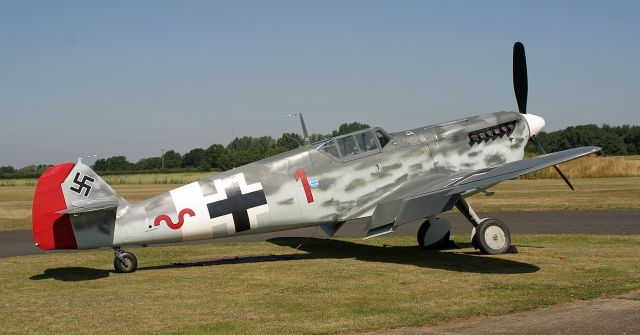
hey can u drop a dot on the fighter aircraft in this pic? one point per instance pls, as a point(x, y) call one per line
point(389, 178)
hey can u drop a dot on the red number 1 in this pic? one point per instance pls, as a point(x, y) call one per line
point(305, 184)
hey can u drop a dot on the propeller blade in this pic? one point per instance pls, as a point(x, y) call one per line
point(542, 151)
point(566, 180)
point(520, 81)
point(538, 145)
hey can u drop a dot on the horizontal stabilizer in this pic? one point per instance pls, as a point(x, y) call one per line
point(94, 205)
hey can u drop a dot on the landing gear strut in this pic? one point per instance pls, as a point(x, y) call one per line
point(124, 261)
point(491, 236)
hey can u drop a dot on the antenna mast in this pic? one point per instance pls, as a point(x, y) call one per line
point(305, 134)
point(304, 129)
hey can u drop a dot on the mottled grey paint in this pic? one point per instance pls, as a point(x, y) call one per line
point(380, 174)
point(326, 183)
point(358, 182)
point(286, 202)
point(388, 168)
point(413, 161)
point(495, 159)
point(517, 143)
point(415, 167)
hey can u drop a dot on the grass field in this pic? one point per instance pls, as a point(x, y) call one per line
point(128, 179)
point(593, 167)
point(344, 285)
point(512, 195)
point(586, 167)
point(554, 194)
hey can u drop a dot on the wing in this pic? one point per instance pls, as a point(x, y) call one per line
point(424, 197)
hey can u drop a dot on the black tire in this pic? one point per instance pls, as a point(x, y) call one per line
point(493, 237)
point(424, 227)
point(474, 241)
point(129, 265)
point(421, 232)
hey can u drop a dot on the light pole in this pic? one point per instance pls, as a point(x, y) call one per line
point(162, 159)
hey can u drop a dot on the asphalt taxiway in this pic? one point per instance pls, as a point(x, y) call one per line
point(19, 243)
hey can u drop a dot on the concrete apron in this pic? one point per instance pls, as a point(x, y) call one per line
point(619, 315)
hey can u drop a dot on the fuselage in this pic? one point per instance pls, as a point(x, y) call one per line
point(328, 182)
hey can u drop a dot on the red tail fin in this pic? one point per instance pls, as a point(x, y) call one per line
point(50, 229)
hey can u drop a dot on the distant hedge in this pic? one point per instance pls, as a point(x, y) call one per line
point(614, 140)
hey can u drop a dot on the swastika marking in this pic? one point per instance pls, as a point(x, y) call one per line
point(82, 187)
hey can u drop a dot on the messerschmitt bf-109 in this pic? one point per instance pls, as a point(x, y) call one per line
point(389, 178)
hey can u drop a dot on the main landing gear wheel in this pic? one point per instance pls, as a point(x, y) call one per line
point(125, 262)
point(492, 237)
point(434, 233)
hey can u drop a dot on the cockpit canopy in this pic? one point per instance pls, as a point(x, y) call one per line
point(355, 145)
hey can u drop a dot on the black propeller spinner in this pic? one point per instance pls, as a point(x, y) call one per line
point(521, 88)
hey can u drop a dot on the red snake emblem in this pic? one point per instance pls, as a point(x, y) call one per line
point(170, 224)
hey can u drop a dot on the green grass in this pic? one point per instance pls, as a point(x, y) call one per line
point(587, 167)
point(154, 179)
point(512, 195)
point(593, 167)
point(344, 285)
point(129, 179)
point(593, 194)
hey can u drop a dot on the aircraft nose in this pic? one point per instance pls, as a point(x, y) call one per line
point(536, 123)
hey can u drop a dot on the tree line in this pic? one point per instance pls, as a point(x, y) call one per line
point(614, 140)
point(241, 151)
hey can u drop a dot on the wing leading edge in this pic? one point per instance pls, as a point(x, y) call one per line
point(418, 199)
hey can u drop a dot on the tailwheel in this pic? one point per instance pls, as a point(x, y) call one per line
point(492, 237)
point(124, 261)
point(434, 233)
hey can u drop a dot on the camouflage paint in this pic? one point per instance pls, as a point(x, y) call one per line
point(346, 188)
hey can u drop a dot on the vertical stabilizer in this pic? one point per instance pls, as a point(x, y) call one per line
point(73, 208)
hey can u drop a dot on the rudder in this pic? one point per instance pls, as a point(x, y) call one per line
point(52, 230)
point(73, 208)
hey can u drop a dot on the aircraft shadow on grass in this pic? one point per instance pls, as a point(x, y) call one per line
point(408, 255)
point(317, 248)
point(76, 273)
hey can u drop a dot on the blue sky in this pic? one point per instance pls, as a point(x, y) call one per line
point(135, 77)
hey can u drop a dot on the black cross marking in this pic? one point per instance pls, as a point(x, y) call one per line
point(237, 205)
point(82, 184)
